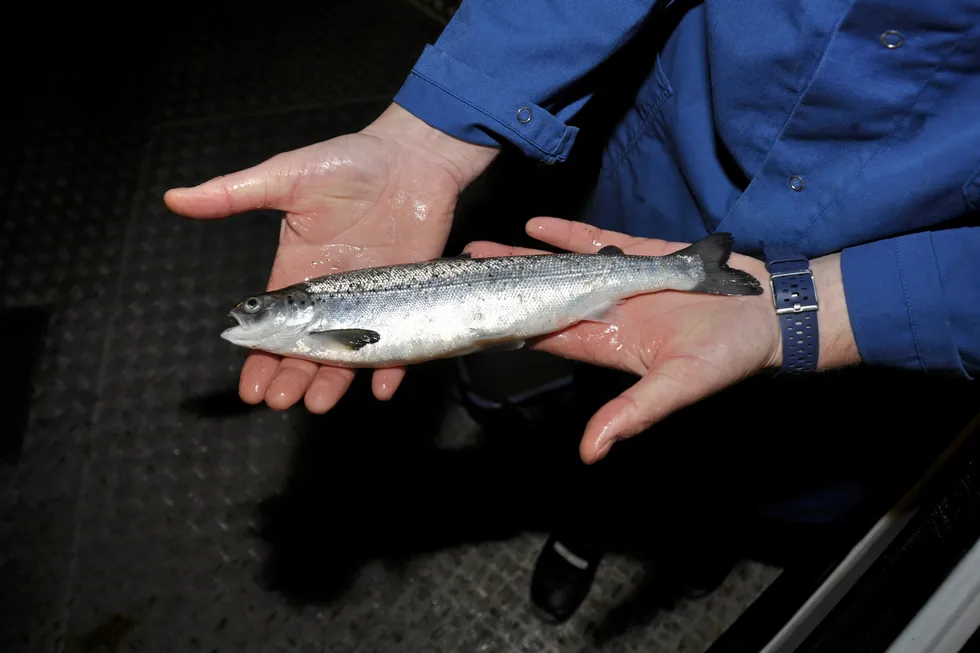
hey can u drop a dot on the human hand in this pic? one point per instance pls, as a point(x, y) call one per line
point(382, 196)
point(683, 346)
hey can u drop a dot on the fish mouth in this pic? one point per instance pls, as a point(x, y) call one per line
point(236, 334)
point(238, 318)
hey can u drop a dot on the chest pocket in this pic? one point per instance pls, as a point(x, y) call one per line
point(641, 121)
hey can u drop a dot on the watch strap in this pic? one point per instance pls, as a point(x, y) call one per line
point(795, 301)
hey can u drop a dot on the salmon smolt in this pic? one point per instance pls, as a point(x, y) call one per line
point(447, 307)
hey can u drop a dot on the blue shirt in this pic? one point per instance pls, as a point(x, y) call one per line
point(853, 126)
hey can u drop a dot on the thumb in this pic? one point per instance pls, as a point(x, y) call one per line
point(675, 384)
point(260, 187)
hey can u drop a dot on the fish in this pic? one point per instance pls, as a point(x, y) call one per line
point(453, 306)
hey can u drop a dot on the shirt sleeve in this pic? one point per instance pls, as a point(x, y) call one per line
point(515, 71)
point(914, 301)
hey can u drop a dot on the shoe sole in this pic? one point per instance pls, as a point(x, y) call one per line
point(546, 616)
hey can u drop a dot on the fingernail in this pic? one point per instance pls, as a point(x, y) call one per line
point(604, 451)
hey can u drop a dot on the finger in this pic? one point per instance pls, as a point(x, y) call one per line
point(385, 382)
point(260, 187)
point(586, 239)
point(677, 383)
point(257, 373)
point(328, 386)
point(484, 249)
point(293, 379)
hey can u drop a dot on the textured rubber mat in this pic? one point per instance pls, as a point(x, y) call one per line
point(65, 210)
point(143, 506)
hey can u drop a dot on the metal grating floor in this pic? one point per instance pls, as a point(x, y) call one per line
point(133, 501)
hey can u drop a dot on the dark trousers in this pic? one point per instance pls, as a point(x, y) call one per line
point(807, 453)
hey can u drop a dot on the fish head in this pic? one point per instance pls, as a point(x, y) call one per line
point(272, 321)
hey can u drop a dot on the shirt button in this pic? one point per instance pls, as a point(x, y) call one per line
point(523, 115)
point(796, 183)
point(892, 39)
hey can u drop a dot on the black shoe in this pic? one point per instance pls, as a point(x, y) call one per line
point(704, 575)
point(562, 579)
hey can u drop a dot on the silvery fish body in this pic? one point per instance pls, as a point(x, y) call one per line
point(404, 314)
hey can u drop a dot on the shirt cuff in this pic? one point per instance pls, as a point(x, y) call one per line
point(897, 307)
point(474, 107)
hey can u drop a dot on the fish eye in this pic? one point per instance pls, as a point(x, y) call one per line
point(252, 304)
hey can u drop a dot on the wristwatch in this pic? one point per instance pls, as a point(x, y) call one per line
point(794, 297)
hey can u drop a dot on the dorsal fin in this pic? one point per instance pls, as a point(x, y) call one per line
point(463, 255)
point(611, 250)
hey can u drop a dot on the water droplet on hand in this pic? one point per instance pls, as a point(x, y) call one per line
point(421, 210)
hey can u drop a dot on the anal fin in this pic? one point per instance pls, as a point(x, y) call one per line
point(499, 344)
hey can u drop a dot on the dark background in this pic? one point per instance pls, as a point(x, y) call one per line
point(143, 506)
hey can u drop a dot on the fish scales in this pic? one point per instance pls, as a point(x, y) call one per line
point(449, 271)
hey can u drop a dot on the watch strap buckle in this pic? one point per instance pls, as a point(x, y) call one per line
point(798, 297)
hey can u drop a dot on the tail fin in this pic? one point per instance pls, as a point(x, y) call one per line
point(720, 279)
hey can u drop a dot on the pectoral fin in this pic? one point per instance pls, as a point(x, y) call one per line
point(352, 339)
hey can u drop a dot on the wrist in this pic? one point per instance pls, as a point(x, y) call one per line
point(838, 348)
point(464, 161)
